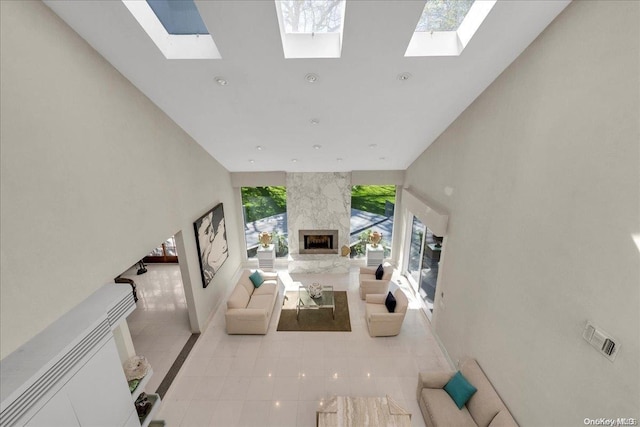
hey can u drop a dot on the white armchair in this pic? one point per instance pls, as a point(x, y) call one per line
point(380, 322)
point(370, 285)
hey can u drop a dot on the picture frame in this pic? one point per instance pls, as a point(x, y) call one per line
point(211, 241)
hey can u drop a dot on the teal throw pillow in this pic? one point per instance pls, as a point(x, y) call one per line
point(256, 278)
point(459, 389)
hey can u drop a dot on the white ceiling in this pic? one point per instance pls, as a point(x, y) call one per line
point(358, 100)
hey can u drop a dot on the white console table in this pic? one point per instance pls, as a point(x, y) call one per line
point(375, 256)
point(266, 257)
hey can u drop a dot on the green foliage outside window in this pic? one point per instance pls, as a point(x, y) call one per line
point(281, 244)
point(372, 198)
point(377, 199)
point(262, 202)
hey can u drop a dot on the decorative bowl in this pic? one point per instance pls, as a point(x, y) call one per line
point(315, 290)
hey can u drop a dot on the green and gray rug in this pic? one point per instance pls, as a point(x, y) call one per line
point(315, 320)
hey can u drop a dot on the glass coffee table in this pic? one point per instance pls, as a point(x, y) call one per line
point(305, 302)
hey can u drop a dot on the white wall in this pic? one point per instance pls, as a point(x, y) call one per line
point(545, 172)
point(93, 176)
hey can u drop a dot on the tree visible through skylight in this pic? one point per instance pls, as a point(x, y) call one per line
point(312, 16)
point(443, 15)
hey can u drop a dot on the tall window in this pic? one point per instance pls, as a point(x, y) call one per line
point(265, 209)
point(372, 208)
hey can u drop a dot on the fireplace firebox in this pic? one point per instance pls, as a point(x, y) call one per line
point(318, 241)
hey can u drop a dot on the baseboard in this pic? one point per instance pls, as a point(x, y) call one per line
point(444, 351)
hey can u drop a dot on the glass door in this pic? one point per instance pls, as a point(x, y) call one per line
point(415, 252)
point(422, 263)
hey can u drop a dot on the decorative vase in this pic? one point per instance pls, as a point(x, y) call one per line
point(136, 367)
point(375, 238)
point(315, 290)
point(265, 239)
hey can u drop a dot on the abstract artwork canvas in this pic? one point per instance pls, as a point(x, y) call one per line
point(211, 239)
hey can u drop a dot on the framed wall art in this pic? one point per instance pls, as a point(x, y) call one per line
point(211, 239)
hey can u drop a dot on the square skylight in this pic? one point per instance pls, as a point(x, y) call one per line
point(178, 17)
point(443, 15)
point(311, 28)
point(446, 26)
point(176, 27)
point(312, 16)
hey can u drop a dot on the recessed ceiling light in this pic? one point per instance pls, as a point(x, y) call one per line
point(221, 81)
point(339, 159)
point(252, 161)
point(294, 160)
point(373, 145)
point(311, 78)
point(404, 76)
point(317, 147)
point(259, 147)
point(314, 121)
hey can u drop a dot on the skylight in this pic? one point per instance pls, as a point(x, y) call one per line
point(178, 17)
point(176, 27)
point(446, 26)
point(312, 16)
point(443, 15)
point(311, 28)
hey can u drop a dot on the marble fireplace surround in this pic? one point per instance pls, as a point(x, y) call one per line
point(318, 201)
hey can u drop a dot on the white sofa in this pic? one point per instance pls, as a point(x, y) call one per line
point(249, 308)
point(484, 409)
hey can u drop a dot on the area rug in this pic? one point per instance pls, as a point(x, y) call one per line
point(315, 320)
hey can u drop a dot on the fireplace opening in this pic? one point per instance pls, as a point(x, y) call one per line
point(318, 241)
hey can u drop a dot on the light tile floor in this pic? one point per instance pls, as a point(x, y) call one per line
point(282, 378)
point(159, 325)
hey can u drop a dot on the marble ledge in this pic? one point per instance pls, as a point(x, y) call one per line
point(318, 263)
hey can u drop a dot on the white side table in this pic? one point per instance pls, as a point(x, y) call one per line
point(375, 256)
point(266, 257)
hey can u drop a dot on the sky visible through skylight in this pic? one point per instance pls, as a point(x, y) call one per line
point(312, 16)
point(443, 15)
point(179, 17)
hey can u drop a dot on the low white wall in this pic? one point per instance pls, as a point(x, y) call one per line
point(93, 177)
point(540, 177)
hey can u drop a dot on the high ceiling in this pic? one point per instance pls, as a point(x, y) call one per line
point(368, 119)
